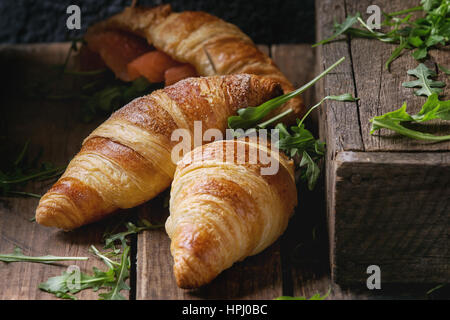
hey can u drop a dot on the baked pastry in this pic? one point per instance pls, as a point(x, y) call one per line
point(127, 160)
point(202, 41)
point(223, 209)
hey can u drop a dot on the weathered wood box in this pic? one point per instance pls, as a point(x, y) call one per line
point(388, 196)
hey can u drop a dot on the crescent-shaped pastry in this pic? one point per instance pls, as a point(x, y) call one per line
point(209, 44)
point(223, 209)
point(127, 159)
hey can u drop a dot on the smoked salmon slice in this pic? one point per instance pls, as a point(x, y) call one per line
point(178, 73)
point(151, 65)
point(117, 49)
point(130, 57)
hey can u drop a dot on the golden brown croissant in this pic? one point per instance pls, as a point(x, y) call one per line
point(223, 209)
point(211, 45)
point(127, 160)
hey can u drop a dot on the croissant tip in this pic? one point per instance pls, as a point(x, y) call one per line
point(186, 277)
point(183, 283)
point(48, 217)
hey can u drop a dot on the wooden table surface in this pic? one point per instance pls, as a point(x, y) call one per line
point(297, 264)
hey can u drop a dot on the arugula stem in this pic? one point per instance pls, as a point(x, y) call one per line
point(121, 276)
point(251, 116)
point(408, 132)
point(95, 279)
point(110, 263)
point(396, 52)
point(311, 109)
point(33, 176)
point(45, 259)
point(365, 25)
point(274, 119)
point(22, 154)
point(398, 13)
point(343, 97)
point(26, 194)
point(310, 83)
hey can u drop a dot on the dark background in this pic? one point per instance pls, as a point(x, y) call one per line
point(265, 21)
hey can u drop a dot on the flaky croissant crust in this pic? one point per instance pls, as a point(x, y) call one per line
point(127, 160)
point(211, 45)
point(223, 210)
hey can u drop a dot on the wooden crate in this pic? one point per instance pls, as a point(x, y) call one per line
point(388, 197)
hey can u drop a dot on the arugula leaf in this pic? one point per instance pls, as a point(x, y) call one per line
point(299, 143)
point(110, 239)
point(444, 69)
point(99, 91)
point(434, 40)
point(427, 85)
point(396, 53)
point(317, 296)
point(340, 29)
point(312, 170)
point(103, 256)
point(343, 97)
point(436, 288)
point(432, 109)
point(420, 34)
point(396, 115)
point(17, 173)
point(420, 53)
point(66, 284)
point(106, 96)
point(113, 279)
point(251, 116)
point(429, 4)
point(397, 127)
point(18, 256)
point(121, 274)
point(302, 143)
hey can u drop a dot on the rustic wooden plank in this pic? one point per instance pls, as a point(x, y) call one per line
point(335, 127)
point(404, 232)
point(381, 91)
point(372, 230)
point(340, 121)
point(55, 127)
point(297, 62)
point(257, 277)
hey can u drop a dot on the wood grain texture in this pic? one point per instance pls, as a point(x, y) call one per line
point(54, 127)
point(405, 232)
point(397, 215)
point(339, 121)
point(347, 125)
point(381, 91)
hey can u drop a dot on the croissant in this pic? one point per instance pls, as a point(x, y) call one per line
point(223, 209)
point(211, 45)
point(127, 159)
